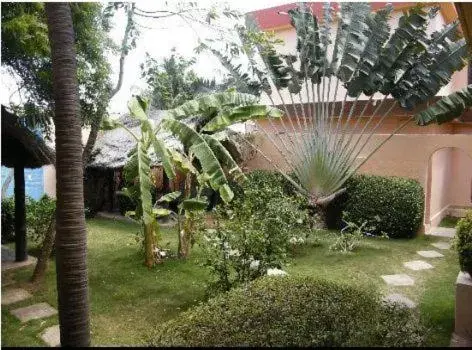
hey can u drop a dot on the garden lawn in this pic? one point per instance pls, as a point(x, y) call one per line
point(128, 301)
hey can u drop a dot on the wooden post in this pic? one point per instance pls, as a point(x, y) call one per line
point(20, 214)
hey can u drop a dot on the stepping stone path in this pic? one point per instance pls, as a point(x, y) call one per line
point(417, 265)
point(429, 254)
point(399, 299)
point(441, 245)
point(51, 336)
point(443, 232)
point(11, 296)
point(33, 312)
point(399, 280)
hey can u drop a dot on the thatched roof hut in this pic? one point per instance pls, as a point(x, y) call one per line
point(112, 148)
point(22, 148)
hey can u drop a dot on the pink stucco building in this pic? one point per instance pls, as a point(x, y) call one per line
point(438, 156)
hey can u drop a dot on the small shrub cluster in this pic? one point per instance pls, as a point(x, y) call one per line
point(390, 205)
point(8, 220)
point(293, 311)
point(38, 217)
point(255, 232)
point(463, 242)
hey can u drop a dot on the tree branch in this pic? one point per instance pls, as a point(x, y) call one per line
point(95, 127)
point(124, 51)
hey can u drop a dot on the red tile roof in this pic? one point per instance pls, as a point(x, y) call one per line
point(270, 18)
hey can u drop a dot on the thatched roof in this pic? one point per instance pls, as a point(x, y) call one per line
point(21, 146)
point(112, 147)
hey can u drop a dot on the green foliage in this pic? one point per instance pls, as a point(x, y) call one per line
point(349, 238)
point(25, 52)
point(392, 205)
point(447, 108)
point(38, 217)
point(8, 220)
point(39, 214)
point(255, 231)
point(290, 311)
point(173, 82)
point(463, 242)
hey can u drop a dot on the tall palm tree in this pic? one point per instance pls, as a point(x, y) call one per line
point(71, 236)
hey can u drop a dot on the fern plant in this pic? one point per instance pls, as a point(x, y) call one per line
point(373, 67)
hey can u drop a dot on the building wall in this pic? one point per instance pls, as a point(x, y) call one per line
point(441, 175)
point(407, 155)
point(289, 38)
point(33, 182)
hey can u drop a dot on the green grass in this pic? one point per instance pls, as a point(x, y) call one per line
point(449, 221)
point(129, 301)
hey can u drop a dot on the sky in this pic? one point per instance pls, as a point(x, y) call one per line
point(158, 39)
point(168, 33)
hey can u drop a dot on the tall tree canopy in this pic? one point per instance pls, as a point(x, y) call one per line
point(26, 54)
point(173, 81)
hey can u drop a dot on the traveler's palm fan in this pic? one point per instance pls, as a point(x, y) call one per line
point(337, 89)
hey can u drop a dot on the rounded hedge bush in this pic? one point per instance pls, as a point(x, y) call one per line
point(393, 205)
point(293, 311)
point(464, 242)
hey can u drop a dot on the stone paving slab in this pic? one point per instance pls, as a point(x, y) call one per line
point(12, 265)
point(33, 312)
point(399, 299)
point(417, 265)
point(441, 245)
point(398, 280)
point(51, 336)
point(429, 254)
point(11, 296)
point(443, 232)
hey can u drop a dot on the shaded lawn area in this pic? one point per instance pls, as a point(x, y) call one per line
point(449, 221)
point(128, 301)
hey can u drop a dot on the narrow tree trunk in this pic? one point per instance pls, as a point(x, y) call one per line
point(71, 235)
point(149, 246)
point(186, 231)
point(6, 183)
point(20, 214)
point(46, 249)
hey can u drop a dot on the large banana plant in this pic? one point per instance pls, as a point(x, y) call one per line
point(138, 172)
point(338, 90)
point(199, 125)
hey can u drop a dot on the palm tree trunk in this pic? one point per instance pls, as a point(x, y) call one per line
point(71, 235)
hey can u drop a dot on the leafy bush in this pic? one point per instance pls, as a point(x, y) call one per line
point(38, 217)
point(392, 205)
point(255, 231)
point(8, 220)
point(463, 242)
point(291, 311)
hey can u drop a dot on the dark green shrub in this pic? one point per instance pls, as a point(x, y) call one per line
point(464, 242)
point(125, 203)
point(289, 311)
point(8, 220)
point(393, 205)
point(38, 217)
